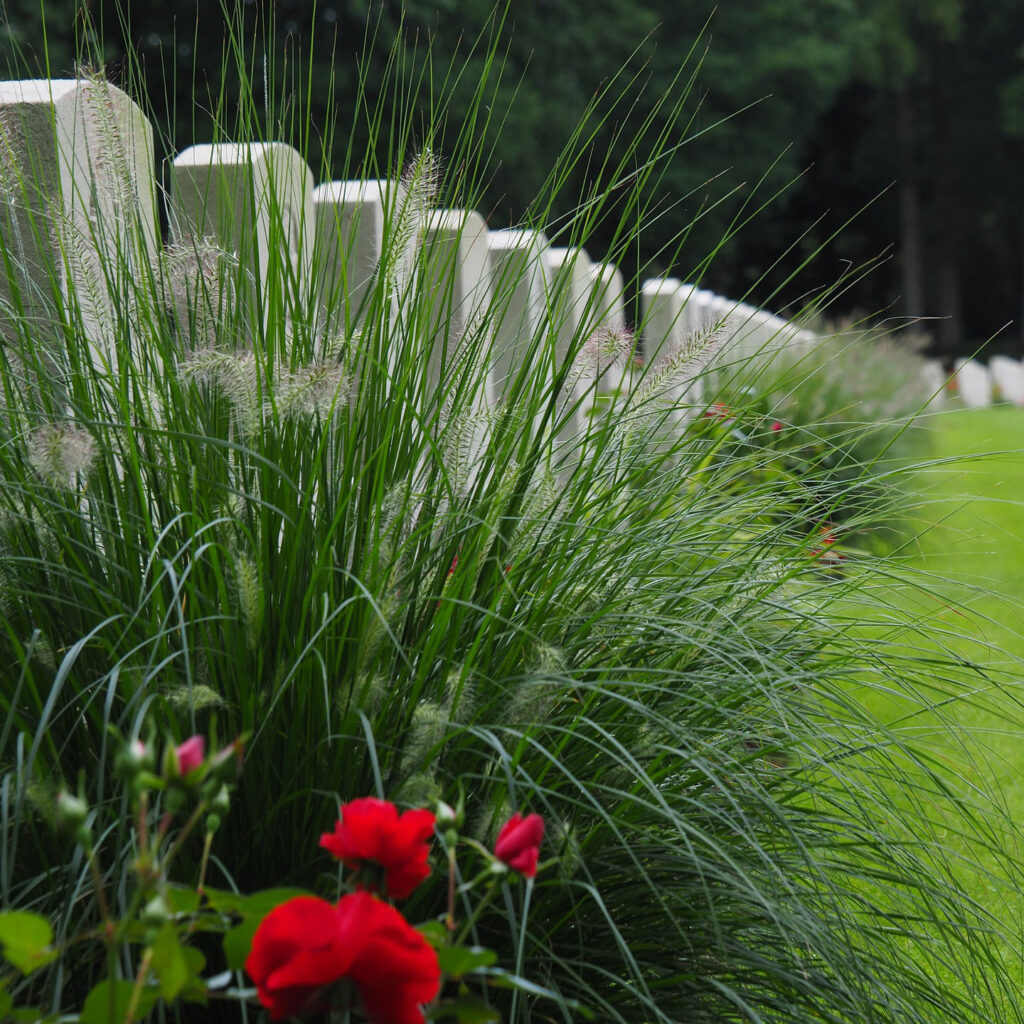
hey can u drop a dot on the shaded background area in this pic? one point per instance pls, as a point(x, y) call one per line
point(900, 122)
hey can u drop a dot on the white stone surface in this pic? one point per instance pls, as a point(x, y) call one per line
point(934, 377)
point(452, 268)
point(77, 180)
point(244, 196)
point(1008, 378)
point(520, 282)
point(456, 273)
point(609, 295)
point(572, 313)
point(349, 240)
point(974, 383)
point(666, 341)
point(611, 347)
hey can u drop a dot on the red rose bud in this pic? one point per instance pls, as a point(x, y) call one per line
point(373, 839)
point(226, 764)
point(191, 754)
point(776, 425)
point(518, 843)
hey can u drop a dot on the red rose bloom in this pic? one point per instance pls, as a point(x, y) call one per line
point(395, 970)
point(299, 951)
point(519, 841)
point(371, 834)
point(304, 948)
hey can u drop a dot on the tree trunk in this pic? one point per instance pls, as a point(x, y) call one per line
point(911, 249)
point(951, 326)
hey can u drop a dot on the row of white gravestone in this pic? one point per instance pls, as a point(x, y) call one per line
point(979, 385)
point(77, 178)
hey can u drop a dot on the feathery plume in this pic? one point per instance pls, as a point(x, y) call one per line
point(319, 389)
point(61, 454)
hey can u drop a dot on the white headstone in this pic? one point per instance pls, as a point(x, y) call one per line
point(349, 217)
point(253, 199)
point(77, 200)
point(934, 377)
point(609, 290)
point(520, 282)
point(610, 349)
point(456, 274)
point(451, 267)
point(1008, 378)
point(974, 383)
point(571, 311)
point(666, 340)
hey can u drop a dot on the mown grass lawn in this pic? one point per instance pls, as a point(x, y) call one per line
point(967, 564)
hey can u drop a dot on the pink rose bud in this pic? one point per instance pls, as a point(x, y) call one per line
point(191, 754)
point(519, 841)
point(776, 425)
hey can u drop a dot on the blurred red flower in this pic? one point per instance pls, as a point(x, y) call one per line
point(519, 841)
point(388, 850)
point(191, 754)
point(303, 948)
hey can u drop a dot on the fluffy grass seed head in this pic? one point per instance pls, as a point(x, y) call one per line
point(419, 187)
point(235, 375)
point(61, 454)
point(319, 389)
point(605, 352)
point(674, 367)
point(427, 730)
point(198, 279)
point(195, 698)
point(250, 596)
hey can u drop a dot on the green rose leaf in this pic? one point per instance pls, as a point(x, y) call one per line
point(238, 942)
point(465, 1009)
point(108, 1003)
point(169, 963)
point(456, 961)
point(30, 1015)
point(6, 1002)
point(26, 940)
point(259, 904)
point(181, 900)
point(223, 901)
point(195, 990)
point(434, 932)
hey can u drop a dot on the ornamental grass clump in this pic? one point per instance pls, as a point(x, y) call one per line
point(313, 517)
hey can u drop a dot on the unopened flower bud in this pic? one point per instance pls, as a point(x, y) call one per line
point(191, 754)
point(155, 912)
point(72, 813)
point(212, 823)
point(133, 757)
point(444, 815)
point(226, 764)
point(221, 802)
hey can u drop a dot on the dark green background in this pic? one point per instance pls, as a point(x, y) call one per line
point(907, 115)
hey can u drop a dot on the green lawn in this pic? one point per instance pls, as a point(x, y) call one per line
point(968, 565)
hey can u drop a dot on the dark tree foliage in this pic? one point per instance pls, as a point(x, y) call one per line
point(904, 116)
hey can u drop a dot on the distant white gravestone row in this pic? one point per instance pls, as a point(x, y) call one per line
point(973, 382)
point(77, 173)
point(1007, 378)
